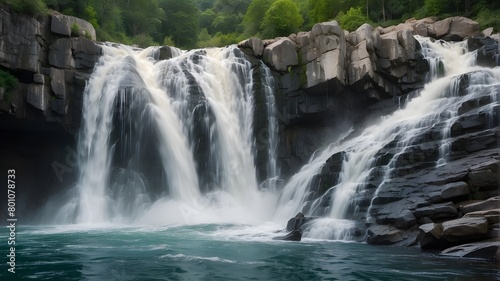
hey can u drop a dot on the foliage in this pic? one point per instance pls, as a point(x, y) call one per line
point(198, 23)
point(282, 19)
point(488, 18)
point(7, 80)
point(144, 40)
point(28, 7)
point(255, 15)
point(181, 22)
point(352, 19)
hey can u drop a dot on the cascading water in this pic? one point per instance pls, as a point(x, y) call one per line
point(436, 104)
point(169, 141)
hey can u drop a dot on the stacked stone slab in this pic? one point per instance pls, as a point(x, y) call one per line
point(52, 57)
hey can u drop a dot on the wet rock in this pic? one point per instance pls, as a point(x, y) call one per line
point(292, 236)
point(482, 250)
point(388, 235)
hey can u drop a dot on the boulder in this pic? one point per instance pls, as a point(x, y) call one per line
point(281, 54)
point(68, 25)
point(430, 234)
point(464, 229)
point(456, 28)
point(168, 52)
point(361, 66)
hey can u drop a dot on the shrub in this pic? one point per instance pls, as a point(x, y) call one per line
point(28, 7)
point(7, 80)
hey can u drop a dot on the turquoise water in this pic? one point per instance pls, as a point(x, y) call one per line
point(218, 252)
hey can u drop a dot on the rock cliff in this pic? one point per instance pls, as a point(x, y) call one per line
point(51, 57)
point(329, 79)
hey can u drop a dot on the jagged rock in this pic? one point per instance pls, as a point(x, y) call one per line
point(429, 235)
point(493, 215)
point(387, 235)
point(329, 66)
point(281, 54)
point(253, 47)
point(361, 67)
point(66, 25)
point(487, 32)
point(482, 250)
point(79, 53)
point(456, 28)
point(491, 203)
point(464, 229)
point(485, 175)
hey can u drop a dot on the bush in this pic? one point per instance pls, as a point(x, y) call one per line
point(7, 80)
point(352, 19)
point(28, 7)
point(488, 18)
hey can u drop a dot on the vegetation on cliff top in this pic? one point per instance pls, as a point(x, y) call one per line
point(202, 23)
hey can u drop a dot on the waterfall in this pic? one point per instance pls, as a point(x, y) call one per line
point(170, 141)
point(389, 141)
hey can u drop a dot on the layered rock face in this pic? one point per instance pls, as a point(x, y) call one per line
point(329, 78)
point(52, 57)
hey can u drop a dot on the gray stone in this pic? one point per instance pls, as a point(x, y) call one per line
point(488, 31)
point(38, 79)
point(63, 25)
point(328, 66)
point(451, 191)
point(491, 203)
point(281, 54)
point(429, 235)
point(437, 211)
point(38, 96)
point(493, 215)
point(384, 235)
point(483, 250)
point(58, 82)
point(464, 229)
point(254, 44)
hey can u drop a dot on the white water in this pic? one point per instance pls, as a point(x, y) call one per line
point(155, 103)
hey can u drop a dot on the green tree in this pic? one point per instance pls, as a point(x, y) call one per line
point(352, 19)
point(254, 16)
point(282, 19)
point(181, 22)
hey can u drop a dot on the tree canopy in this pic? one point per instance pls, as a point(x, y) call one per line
point(202, 23)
